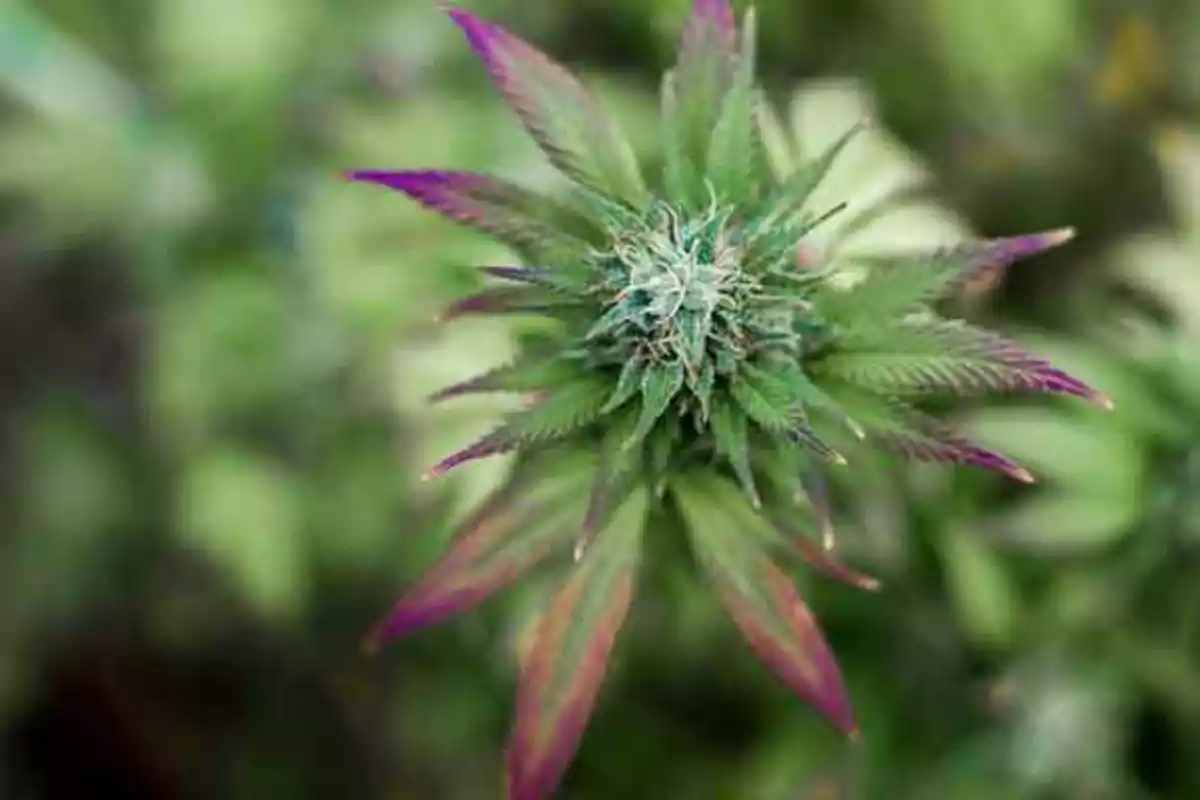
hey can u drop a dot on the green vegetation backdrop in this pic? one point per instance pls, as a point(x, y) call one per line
point(214, 357)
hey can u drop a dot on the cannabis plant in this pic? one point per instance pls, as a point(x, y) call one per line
point(700, 365)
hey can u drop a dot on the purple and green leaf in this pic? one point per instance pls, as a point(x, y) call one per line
point(518, 526)
point(566, 661)
point(760, 598)
point(517, 217)
point(896, 284)
point(578, 137)
point(693, 94)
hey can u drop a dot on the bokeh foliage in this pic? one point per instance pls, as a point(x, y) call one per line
point(214, 357)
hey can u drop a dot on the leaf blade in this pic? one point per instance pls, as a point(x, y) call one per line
point(509, 533)
point(566, 662)
point(577, 136)
point(761, 599)
point(517, 217)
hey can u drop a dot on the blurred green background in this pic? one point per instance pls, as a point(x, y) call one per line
point(213, 358)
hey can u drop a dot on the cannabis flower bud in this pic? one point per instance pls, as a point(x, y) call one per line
point(698, 369)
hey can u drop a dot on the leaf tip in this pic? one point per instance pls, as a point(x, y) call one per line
point(1021, 474)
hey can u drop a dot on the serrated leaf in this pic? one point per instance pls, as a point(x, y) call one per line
point(772, 414)
point(578, 137)
point(527, 373)
point(511, 531)
point(700, 81)
point(629, 382)
point(660, 384)
point(912, 434)
point(558, 413)
point(733, 151)
point(729, 431)
point(794, 191)
point(770, 403)
point(807, 394)
point(777, 145)
point(506, 300)
point(759, 597)
point(947, 356)
point(566, 661)
point(546, 277)
point(614, 477)
point(897, 284)
point(530, 224)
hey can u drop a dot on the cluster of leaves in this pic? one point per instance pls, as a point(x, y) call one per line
point(696, 346)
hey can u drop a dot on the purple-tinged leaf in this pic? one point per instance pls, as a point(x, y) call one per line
point(528, 373)
point(515, 216)
point(501, 300)
point(710, 25)
point(614, 478)
point(945, 356)
point(565, 664)
point(898, 283)
point(761, 599)
point(493, 444)
point(519, 525)
point(825, 562)
point(577, 135)
point(537, 276)
point(912, 434)
point(734, 152)
point(932, 440)
point(694, 92)
point(554, 414)
point(1007, 252)
point(820, 557)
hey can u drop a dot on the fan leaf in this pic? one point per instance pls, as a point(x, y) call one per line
point(578, 137)
point(759, 597)
point(514, 529)
point(564, 666)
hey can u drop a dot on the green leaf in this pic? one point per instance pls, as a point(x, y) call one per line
point(794, 192)
point(564, 666)
point(532, 225)
point(527, 373)
point(918, 436)
point(733, 151)
point(777, 147)
point(944, 356)
point(679, 173)
point(614, 476)
point(628, 384)
point(660, 384)
point(898, 284)
point(805, 393)
point(513, 530)
point(759, 596)
point(770, 403)
point(560, 412)
point(729, 431)
point(577, 136)
point(700, 80)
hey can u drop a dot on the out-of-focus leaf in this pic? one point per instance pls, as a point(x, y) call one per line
point(567, 659)
point(244, 513)
point(1069, 523)
point(980, 587)
point(225, 348)
point(1064, 448)
point(876, 167)
point(510, 533)
point(226, 49)
point(759, 596)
